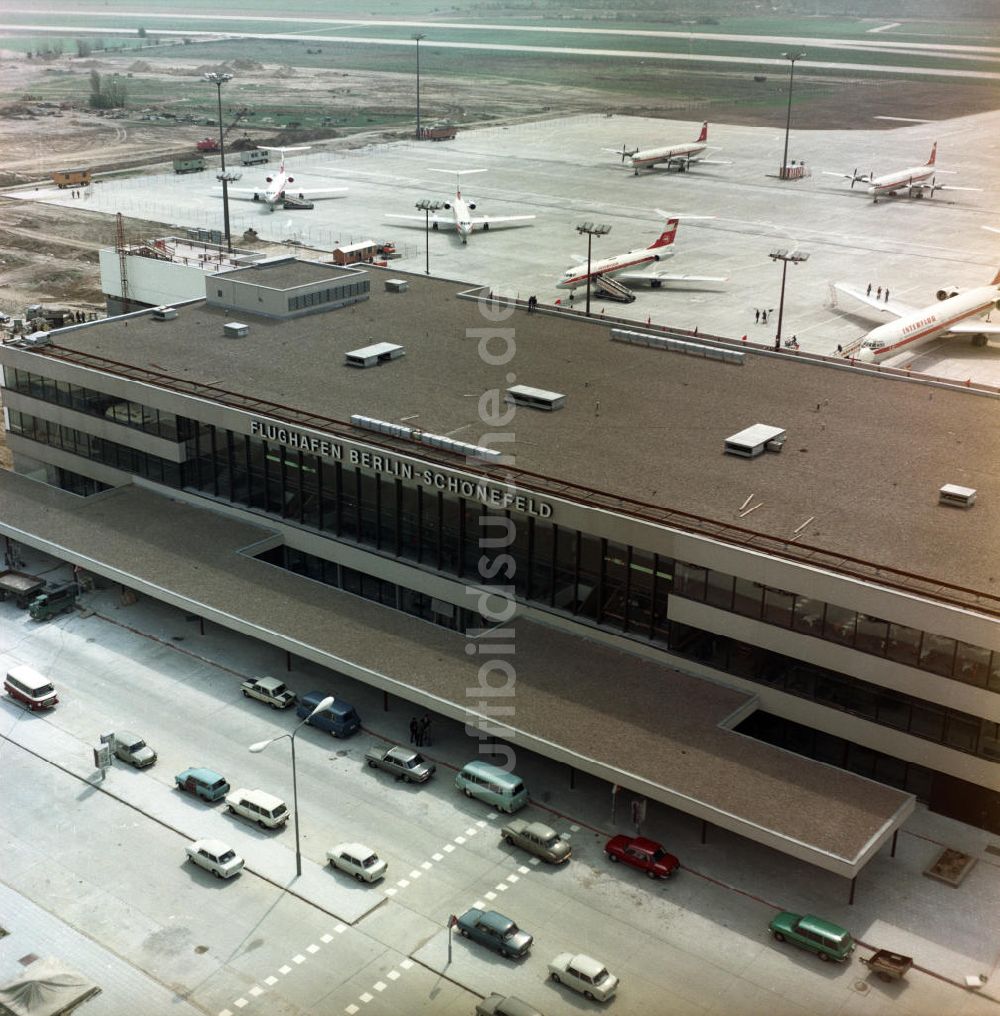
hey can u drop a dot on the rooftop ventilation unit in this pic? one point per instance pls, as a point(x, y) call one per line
point(370, 356)
point(397, 285)
point(755, 441)
point(673, 345)
point(958, 497)
point(164, 313)
point(235, 329)
point(433, 440)
point(535, 398)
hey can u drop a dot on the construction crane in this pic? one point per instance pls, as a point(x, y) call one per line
point(122, 250)
point(242, 113)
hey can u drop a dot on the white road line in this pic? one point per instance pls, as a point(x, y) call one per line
point(426, 865)
point(447, 848)
point(312, 948)
point(340, 929)
point(240, 1003)
point(284, 970)
point(351, 1009)
point(437, 857)
point(256, 991)
point(269, 981)
point(299, 958)
point(406, 964)
point(393, 975)
point(366, 998)
point(380, 985)
point(491, 896)
point(326, 939)
point(390, 891)
point(884, 28)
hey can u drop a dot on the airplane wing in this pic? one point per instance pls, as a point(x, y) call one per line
point(896, 308)
point(659, 277)
point(712, 162)
point(323, 192)
point(975, 328)
point(433, 221)
point(493, 220)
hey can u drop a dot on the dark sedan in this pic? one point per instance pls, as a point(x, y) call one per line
point(495, 931)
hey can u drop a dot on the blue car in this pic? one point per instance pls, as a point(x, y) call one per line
point(495, 931)
point(340, 718)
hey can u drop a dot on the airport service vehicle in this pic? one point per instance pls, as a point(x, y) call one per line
point(404, 764)
point(679, 156)
point(584, 974)
point(27, 686)
point(268, 811)
point(505, 1005)
point(495, 931)
point(215, 856)
point(339, 718)
point(278, 188)
point(912, 182)
point(645, 855)
point(829, 941)
point(958, 312)
point(131, 748)
point(358, 860)
point(204, 783)
point(461, 219)
point(52, 602)
point(207, 145)
point(192, 164)
point(537, 839)
point(623, 267)
point(269, 690)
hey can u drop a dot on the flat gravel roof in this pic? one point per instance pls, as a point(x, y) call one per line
point(864, 457)
point(621, 717)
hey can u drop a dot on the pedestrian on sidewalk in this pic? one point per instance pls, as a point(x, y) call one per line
point(869, 292)
point(756, 317)
point(414, 730)
point(878, 293)
point(425, 729)
point(886, 294)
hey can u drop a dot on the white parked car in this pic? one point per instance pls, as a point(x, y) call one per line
point(583, 974)
point(358, 860)
point(215, 856)
point(266, 810)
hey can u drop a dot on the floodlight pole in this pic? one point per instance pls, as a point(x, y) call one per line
point(427, 206)
point(791, 57)
point(592, 230)
point(784, 256)
point(218, 79)
point(416, 39)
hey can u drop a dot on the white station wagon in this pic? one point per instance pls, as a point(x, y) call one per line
point(215, 856)
point(583, 974)
point(358, 860)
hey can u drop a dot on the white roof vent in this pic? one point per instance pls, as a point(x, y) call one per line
point(370, 356)
point(235, 329)
point(36, 339)
point(535, 398)
point(397, 285)
point(958, 497)
point(755, 441)
point(164, 313)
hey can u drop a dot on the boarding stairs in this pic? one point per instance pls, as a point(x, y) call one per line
point(613, 290)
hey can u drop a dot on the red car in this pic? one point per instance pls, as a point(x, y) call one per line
point(646, 855)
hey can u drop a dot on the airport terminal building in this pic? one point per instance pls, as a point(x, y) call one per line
point(733, 583)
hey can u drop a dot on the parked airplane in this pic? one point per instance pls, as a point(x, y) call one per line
point(621, 265)
point(956, 313)
point(679, 156)
point(913, 180)
point(461, 219)
point(278, 189)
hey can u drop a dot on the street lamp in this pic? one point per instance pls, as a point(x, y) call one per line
point(261, 745)
point(791, 57)
point(795, 257)
point(426, 205)
point(591, 229)
point(416, 38)
point(219, 79)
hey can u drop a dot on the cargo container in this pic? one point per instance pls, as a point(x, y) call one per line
point(192, 164)
point(254, 157)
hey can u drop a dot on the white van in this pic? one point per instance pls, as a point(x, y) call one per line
point(264, 809)
point(28, 686)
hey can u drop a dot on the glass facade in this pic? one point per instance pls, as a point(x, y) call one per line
point(617, 587)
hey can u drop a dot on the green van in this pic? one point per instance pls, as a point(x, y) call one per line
point(829, 941)
point(505, 791)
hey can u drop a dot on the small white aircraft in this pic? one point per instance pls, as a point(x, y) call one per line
point(622, 265)
point(278, 187)
point(913, 180)
point(461, 219)
point(956, 313)
point(679, 156)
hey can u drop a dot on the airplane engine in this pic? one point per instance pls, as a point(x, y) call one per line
point(946, 292)
point(291, 179)
point(656, 257)
point(269, 179)
point(472, 205)
point(447, 205)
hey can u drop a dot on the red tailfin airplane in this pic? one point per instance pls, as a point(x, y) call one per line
point(914, 180)
point(279, 187)
point(680, 156)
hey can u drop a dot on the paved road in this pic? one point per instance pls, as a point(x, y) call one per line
point(108, 860)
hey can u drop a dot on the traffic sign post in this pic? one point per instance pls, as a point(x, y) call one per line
point(102, 758)
point(638, 814)
point(452, 921)
point(614, 801)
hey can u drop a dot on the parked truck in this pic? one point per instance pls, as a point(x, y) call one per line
point(52, 602)
point(20, 587)
point(191, 164)
point(439, 132)
point(64, 178)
